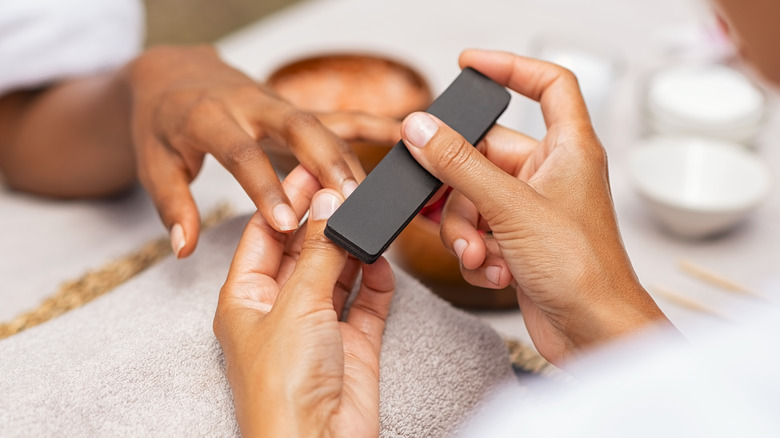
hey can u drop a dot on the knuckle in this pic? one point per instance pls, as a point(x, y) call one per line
point(203, 108)
point(598, 155)
point(455, 156)
point(565, 75)
point(317, 244)
point(239, 155)
point(192, 112)
point(589, 149)
point(298, 122)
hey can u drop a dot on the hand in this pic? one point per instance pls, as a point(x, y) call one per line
point(548, 206)
point(294, 368)
point(186, 103)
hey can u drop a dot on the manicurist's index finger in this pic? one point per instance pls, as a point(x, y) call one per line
point(553, 86)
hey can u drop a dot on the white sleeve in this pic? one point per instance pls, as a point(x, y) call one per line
point(42, 41)
point(726, 384)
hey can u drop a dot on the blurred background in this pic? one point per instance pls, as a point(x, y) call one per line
point(201, 21)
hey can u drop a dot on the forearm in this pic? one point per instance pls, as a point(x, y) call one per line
point(69, 140)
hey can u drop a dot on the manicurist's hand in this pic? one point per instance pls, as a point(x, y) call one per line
point(294, 368)
point(548, 206)
point(186, 103)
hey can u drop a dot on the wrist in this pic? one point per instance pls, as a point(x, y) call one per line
point(633, 310)
point(268, 408)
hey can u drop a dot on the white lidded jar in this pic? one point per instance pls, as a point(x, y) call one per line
point(708, 100)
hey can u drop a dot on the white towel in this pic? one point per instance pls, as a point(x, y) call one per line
point(142, 360)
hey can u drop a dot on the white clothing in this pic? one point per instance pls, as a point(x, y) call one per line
point(42, 41)
point(655, 386)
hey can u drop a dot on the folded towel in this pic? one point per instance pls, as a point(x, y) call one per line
point(142, 360)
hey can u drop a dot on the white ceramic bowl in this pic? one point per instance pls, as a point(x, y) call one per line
point(705, 100)
point(698, 187)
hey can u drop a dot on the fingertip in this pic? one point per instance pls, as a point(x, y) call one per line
point(379, 276)
point(184, 239)
point(183, 222)
point(459, 246)
point(465, 57)
point(418, 128)
point(348, 187)
point(285, 219)
point(471, 258)
point(324, 203)
point(178, 240)
point(380, 266)
point(473, 56)
point(493, 274)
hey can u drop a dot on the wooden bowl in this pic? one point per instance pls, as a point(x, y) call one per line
point(419, 251)
point(350, 82)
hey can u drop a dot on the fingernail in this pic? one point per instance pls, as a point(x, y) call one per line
point(285, 218)
point(177, 239)
point(348, 187)
point(419, 129)
point(459, 246)
point(323, 205)
point(493, 274)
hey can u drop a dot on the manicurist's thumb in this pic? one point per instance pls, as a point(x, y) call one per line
point(457, 163)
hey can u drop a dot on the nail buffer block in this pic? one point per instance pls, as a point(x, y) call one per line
point(398, 187)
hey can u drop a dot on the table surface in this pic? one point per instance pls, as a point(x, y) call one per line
point(44, 242)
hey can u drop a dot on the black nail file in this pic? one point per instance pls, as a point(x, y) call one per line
point(398, 187)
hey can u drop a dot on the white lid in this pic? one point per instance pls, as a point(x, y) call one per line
point(705, 97)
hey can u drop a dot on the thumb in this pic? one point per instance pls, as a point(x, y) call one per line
point(320, 262)
point(453, 160)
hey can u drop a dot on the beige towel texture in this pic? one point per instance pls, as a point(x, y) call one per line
point(143, 361)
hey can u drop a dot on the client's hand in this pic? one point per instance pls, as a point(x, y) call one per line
point(548, 206)
point(294, 368)
point(186, 102)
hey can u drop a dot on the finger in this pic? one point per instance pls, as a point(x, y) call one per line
point(449, 157)
point(320, 150)
point(507, 148)
point(344, 284)
point(300, 185)
point(320, 262)
point(166, 179)
point(437, 197)
point(352, 125)
point(493, 273)
point(255, 266)
point(458, 231)
point(261, 247)
point(240, 154)
point(372, 304)
point(553, 86)
point(292, 252)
